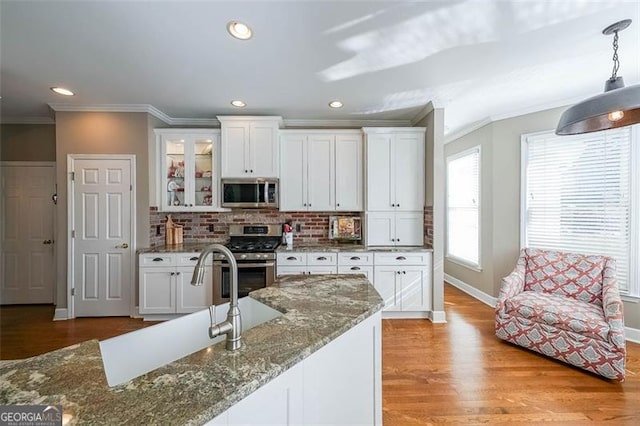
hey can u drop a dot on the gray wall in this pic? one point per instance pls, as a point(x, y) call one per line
point(100, 133)
point(500, 200)
point(28, 142)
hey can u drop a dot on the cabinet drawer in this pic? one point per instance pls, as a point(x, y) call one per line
point(292, 259)
point(322, 259)
point(291, 270)
point(355, 258)
point(322, 270)
point(406, 258)
point(190, 259)
point(366, 270)
point(157, 259)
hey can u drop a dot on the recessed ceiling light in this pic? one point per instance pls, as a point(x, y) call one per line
point(62, 91)
point(239, 30)
point(335, 104)
point(238, 104)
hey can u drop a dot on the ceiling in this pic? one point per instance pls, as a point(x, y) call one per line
point(384, 60)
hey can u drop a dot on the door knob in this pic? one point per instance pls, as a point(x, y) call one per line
point(123, 246)
point(47, 242)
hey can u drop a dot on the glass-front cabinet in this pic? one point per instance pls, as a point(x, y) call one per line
point(189, 172)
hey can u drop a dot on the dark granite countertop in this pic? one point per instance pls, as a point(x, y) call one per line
point(193, 390)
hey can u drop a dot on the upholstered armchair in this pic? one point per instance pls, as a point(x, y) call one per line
point(566, 306)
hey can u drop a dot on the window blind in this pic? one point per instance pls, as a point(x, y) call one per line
point(463, 206)
point(577, 195)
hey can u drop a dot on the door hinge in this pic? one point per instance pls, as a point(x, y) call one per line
point(73, 291)
point(73, 234)
point(73, 176)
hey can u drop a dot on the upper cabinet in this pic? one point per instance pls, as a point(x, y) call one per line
point(188, 169)
point(250, 146)
point(321, 170)
point(395, 169)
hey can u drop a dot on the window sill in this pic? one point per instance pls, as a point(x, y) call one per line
point(462, 262)
point(629, 298)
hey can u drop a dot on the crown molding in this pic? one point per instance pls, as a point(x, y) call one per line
point(424, 111)
point(27, 120)
point(465, 130)
point(296, 122)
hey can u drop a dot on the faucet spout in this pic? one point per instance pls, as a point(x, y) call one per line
point(232, 327)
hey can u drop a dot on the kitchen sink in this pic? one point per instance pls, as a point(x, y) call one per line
point(130, 355)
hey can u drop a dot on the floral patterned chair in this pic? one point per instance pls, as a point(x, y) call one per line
point(566, 306)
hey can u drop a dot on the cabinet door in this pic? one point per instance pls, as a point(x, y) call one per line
point(322, 270)
point(173, 173)
point(157, 290)
point(380, 229)
point(379, 173)
point(409, 171)
point(386, 283)
point(320, 169)
point(203, 173)
point(235, 149)
point(293, 173)
point(349, 186)
point(415, 289)
point(409, 229)
point(191, 298)
point(263, 150)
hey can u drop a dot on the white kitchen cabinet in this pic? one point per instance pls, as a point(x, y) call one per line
point(403, 280)
point(165, 284)
point(302, 263)
point(395, 186)
point(341, 383)
point(250, 146)
point(395, 228)
point(321, 171)
point(188, 176)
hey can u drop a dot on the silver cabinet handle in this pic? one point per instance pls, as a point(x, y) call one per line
point(158, 259)
point(401, 258)
point(194, 258)
point(292, 258)
point(354, 258)
point(355, 268)
point(322, 258)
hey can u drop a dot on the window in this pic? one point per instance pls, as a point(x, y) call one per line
point(463, 207)
point(581, 193)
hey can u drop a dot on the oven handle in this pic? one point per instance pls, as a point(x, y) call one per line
point(248, 265)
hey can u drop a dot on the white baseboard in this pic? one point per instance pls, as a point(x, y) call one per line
point(471, 291)
point(437, 317)
point(61, 314)
point(404, 315)
point(632, 334)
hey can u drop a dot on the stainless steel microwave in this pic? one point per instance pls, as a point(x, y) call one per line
point(250, 193)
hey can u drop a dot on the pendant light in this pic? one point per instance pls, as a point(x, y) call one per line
point(618, 106)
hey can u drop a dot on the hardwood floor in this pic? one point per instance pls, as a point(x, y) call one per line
point(456, 373)
point(460, 373)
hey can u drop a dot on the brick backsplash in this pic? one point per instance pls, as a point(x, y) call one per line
point(428, 226)
point(314, 225)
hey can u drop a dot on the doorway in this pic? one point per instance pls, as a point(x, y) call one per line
point(101, 245)
point(27, 271)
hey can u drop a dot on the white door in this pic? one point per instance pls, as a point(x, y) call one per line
point(409, 228)
point(348, 175)
point(409, 175)
point(27, 272)
point(320, 169)
point(380, 175)
point(102, 246)
point(235, 150)
point(381, 229)
point(293, 173)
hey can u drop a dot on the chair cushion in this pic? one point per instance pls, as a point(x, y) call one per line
point(565, 274)
point(560, 312)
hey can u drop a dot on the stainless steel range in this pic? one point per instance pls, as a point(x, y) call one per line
point(253, 247)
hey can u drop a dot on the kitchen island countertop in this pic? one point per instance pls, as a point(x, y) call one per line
point(195, 389)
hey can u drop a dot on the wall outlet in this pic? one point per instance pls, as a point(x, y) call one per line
point(210, 228)
point(298, 227)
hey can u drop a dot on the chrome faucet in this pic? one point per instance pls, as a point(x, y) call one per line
point(232, 327)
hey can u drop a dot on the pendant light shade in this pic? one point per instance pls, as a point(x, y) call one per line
point(618, 106)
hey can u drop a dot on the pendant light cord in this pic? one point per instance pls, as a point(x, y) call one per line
point(616, 61)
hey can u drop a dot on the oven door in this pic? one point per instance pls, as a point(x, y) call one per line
point(252, 275)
